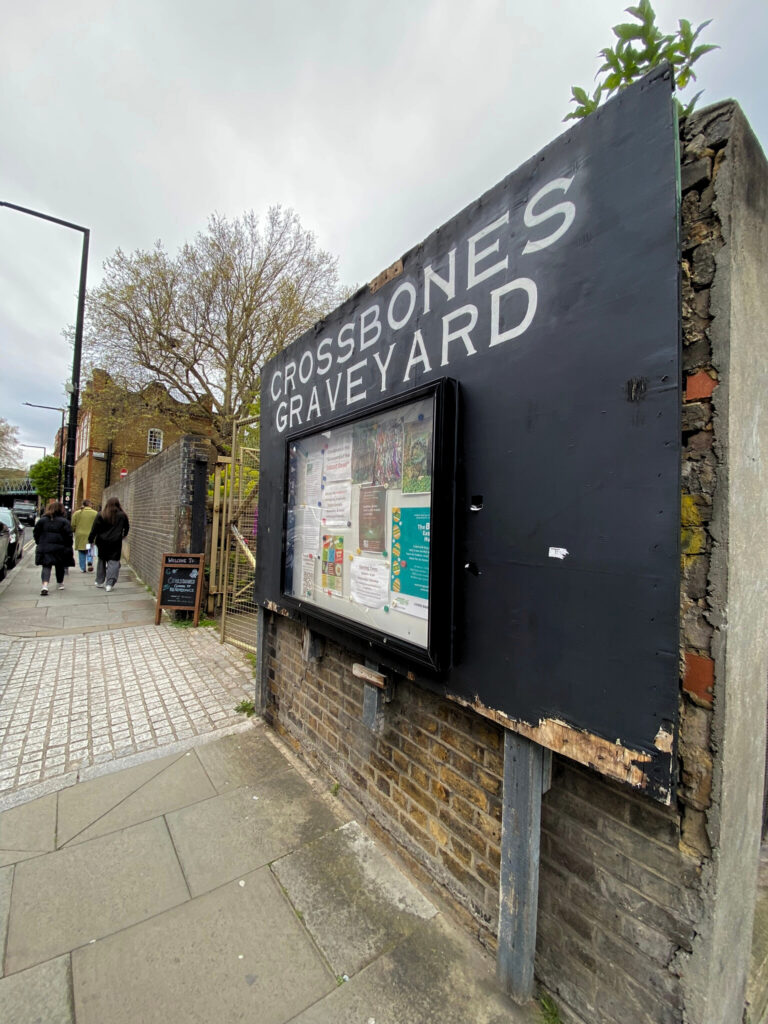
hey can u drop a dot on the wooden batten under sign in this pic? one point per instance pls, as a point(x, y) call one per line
point(369, 675)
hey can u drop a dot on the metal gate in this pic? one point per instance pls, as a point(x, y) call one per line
point(233, 540)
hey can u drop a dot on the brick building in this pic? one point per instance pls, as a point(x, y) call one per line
point(119, 431)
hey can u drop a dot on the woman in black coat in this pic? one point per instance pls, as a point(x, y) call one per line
point(109, 528)
point(53, 536)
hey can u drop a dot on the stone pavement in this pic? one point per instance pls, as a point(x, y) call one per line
point(75, 698)
point(164, 861)
point(80, 608)
point(221, 885)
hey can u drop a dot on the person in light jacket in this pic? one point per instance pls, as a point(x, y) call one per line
point(53, 537)
point(109, 528)
point(82, 521)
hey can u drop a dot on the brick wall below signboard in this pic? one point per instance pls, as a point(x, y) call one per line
point(617, 900)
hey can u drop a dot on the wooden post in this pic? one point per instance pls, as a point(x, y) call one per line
point(524, 779)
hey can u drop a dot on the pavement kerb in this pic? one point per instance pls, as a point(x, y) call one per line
point(96, 771)
point(92, 685)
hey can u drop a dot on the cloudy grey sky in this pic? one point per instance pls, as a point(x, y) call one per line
point(375, 122)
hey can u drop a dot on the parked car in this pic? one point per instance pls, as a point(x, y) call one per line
point(5, 540)
point(16, 540)
point(25, 510)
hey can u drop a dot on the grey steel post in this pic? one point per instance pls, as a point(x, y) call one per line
point(524, 780)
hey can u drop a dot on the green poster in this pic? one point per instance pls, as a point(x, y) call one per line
point(410, 561)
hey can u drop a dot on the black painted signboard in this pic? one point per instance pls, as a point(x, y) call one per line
point(181, 578)
point(553, 303)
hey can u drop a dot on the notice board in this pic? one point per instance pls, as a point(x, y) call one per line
point(180, 587)
point(553, 303)
point(368, 521)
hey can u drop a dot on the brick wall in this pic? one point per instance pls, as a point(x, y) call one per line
point(159, 498)
point(626, 885)
point(618, 894)
point(117, 424)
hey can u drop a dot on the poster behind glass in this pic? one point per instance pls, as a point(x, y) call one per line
point(358, 520)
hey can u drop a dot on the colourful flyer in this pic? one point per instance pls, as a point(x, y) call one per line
point(410, 561)
point(417, 457)
point(372, 519)
point(388, 453)
point(363, 453)
point(332, 564)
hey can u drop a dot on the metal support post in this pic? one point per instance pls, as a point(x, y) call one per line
point(526, 775)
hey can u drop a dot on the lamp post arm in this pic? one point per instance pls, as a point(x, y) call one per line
point(69, 467)
point(44, 216)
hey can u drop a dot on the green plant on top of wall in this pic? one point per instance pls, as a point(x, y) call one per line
point(642, 46)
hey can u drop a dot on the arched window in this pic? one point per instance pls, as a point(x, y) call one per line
point(154, 441)
point(83, 434)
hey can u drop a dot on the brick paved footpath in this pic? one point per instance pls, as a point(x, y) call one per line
point(89, 684)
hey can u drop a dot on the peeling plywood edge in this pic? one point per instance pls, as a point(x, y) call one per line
point(611, 759)
point(272, 606)
point(386, 275)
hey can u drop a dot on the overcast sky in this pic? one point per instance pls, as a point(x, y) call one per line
point(375, 122)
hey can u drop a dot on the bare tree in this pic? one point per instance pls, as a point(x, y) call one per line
point(10, 451)
point(204, 322)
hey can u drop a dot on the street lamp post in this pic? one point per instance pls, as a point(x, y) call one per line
point(54, 408)
point(69, 467)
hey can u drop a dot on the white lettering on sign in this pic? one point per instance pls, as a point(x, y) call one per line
point(427, 322)
point(566, 210)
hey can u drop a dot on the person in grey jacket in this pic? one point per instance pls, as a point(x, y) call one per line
point(109, 528)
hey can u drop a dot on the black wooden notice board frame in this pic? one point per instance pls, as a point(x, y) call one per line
point(183, 561)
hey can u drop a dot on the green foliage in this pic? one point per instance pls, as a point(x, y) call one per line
point(202, 622)
point(246, 707)
point(45, 477)
point(642, 46)
point(550, 1014)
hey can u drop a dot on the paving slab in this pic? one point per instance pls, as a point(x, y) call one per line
point(65, 899)
point(39, 995)
point(180, 784)
point(28, 830)
point(355, 903)
point(432, 977)
point(222, 838)
point(80, 806)
point(238, 953)
point(37, 613)
point(126, 691)
point(242, 759)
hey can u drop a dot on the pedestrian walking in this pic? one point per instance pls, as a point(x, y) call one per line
point(82, 521)
point(53, 537)
point(109, 528)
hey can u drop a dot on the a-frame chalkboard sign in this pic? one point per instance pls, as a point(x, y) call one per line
point(181, 584)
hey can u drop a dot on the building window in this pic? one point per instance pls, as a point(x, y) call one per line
point(154, 441)
point(83, 434)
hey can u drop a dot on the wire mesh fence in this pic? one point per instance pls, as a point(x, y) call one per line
point(239, 499)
